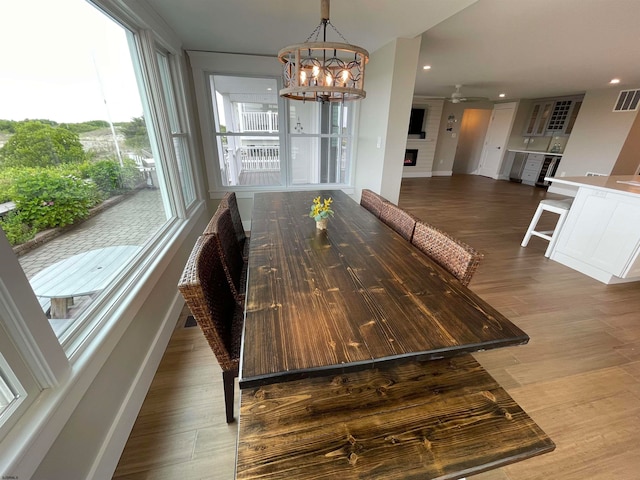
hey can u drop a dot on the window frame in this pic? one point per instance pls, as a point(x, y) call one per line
point(285, 138)
point(205, 64)
point(215, 134)
point(320, 136)
point(179, 127)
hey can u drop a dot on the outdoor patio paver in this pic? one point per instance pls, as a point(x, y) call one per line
point(130, 222)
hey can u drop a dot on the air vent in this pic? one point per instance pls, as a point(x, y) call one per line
point(628, 101)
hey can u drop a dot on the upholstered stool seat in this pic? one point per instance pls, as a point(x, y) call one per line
point(560, 207)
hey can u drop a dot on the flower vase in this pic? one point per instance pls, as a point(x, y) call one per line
point(322, 224)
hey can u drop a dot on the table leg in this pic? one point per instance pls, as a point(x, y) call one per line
point(59, 307)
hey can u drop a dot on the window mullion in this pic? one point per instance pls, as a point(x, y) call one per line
point(155, 110)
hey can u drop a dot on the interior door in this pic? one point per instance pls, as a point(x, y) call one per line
point(495, 141)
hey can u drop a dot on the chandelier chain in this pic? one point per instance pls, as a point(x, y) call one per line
point(316, 32)
point(338, 32)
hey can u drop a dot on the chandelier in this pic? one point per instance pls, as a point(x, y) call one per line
point(323, 71)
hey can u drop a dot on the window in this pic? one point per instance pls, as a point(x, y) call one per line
point(247, 130)
point(176, 124)
point(321, 142)
point(256, 146)
point(12, 394)
point(102, 109)
point(93, 84)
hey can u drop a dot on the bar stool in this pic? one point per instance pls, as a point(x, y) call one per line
point(561, 207)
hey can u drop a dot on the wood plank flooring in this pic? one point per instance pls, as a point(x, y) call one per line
point(578, 378)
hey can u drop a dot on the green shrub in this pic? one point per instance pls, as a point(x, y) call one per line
point(131, 176)
point(6, 180)
point(15, 229)
point(110, 178)
point(106, 175)
point(36, 144)
point(47, 198)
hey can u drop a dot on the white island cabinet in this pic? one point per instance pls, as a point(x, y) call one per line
point(601, 236)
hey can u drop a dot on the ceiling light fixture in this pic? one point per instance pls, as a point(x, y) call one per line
point(502, 95)
point(614, 81)
point(323, 71)
point(427, 67)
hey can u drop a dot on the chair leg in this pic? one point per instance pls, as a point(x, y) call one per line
point(556, 232)
point(228, 381)
point(532, 226)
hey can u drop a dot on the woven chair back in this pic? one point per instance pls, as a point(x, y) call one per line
point(229, 200)
point(371, 201)
point(204, 286)
point(455, 256)
point(229, 249)
point(398, 219)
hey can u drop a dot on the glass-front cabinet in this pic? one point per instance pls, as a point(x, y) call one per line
point(553, 117)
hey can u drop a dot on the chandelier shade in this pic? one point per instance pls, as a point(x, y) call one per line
point(323, 71)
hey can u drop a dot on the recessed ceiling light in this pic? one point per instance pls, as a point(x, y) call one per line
point(502, 95)
point(614, 81)
point(427, 67)
point(269, 89)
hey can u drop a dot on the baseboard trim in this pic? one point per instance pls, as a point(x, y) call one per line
point(416, 175)
point(111, 449)
point(442, 173)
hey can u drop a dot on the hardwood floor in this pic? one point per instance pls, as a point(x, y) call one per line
point(578, 378)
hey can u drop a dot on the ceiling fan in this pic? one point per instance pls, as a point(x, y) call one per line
point(458, 97)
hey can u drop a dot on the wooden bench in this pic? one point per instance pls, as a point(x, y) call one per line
point(439, 419)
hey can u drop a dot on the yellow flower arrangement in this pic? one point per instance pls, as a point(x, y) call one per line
point(321, 209)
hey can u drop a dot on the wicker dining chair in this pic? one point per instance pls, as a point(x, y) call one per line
point(371, 201)
point(233, 262)
point(455, 256)
point(398, 219)
point(231, 202)
point(204, 286)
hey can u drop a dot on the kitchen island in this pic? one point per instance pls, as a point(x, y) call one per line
point(601, 236)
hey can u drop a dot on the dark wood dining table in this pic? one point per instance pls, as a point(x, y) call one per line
point(350, 297)
point(355, 362)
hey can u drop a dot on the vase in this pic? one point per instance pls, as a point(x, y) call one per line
point(322, 224)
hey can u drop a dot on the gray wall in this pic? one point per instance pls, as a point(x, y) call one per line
point(598, 135)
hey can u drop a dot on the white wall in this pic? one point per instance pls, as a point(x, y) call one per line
point(597, 138)
point(384, 117)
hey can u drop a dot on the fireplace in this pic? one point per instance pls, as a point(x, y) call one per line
point(410, 157)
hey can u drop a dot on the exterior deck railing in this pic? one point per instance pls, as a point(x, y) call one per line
point(259, 122)
point(260, 158)
point(251, 159)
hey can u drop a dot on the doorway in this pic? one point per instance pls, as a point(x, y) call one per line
point(495, 142)
point(473, 129)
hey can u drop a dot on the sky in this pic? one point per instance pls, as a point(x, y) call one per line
point(66, 61)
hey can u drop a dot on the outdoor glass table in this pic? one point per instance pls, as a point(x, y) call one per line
point(354, 360)
point(82, 274)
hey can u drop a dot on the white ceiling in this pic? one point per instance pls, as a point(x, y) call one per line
point(524, 48)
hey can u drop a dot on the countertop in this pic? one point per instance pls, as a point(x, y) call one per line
point(612, 183)
point(535, 151)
